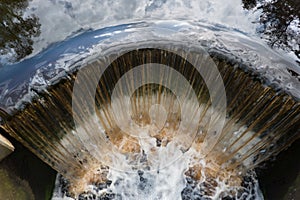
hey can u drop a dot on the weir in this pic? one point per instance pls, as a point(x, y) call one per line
point(165, 118)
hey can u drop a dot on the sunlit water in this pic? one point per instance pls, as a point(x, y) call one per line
point(168, 177)
point(89, 27)
point(60, 19)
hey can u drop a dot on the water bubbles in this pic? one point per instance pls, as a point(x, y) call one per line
point(152, 133)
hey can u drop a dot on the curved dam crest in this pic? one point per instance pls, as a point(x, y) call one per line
point(262, 97)
point(20, 81)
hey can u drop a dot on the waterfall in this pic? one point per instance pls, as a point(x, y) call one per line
point(151, 110)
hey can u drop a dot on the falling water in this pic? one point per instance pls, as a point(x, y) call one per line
point(154, 110)
point(157, 124)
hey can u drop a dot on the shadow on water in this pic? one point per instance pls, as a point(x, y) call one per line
point(280, 179)
point(26, 177)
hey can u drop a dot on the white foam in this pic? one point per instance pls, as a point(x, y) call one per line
point(158, 172)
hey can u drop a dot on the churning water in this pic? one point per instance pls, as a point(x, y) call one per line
point(151, 102)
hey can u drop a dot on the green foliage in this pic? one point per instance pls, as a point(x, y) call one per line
point(16, 30)
point(276, 21)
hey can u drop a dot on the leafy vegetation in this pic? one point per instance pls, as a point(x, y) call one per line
point(280, 22)
point(17, 30)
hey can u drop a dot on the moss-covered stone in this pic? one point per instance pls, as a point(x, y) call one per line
point(14, 188)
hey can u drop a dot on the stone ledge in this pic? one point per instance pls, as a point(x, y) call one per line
point(5, 147)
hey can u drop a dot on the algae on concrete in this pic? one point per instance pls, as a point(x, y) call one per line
point(14, 188)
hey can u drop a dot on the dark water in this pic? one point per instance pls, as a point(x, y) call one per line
point(26, 169)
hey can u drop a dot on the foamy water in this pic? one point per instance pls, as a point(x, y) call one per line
point(154, 163)
point(175, 180)
point(172, 167)
point(154, 172)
